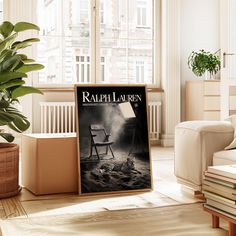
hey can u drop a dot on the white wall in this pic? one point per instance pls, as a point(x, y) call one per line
point(199, 29)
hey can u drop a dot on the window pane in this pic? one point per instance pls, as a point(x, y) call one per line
point(88, 74)
point(65, 36)
point(65, 47)
point(77, 72)
point(140, 57)
point(1, 10)
point(115, 52)
point(122, 48)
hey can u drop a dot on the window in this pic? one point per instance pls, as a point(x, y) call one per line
point(50, 16)
point(83, 69)
point(102, 12)
point(79, 35)
point(142, 13)
point(1, 10)
point(103, 73)
point(140, 72)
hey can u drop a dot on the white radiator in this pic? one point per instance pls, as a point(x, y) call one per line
point(59, 117)
point(154, 119)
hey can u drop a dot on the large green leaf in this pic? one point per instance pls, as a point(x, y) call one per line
point(6, 28)
point(6, 117)
point(25, 59)
point(9, 137)
point(25, 43)
point(6, 76)
point(6, 54)
point(21, 63)
point(22, 26)
point(22, 56)
point(20, 45)
point(23, 90)
point(3, 46)
point(2, 123)
point(30, 67)
point(31, 40)
point(10, 64)
point(20, 124)
point(14, 111)
point(7, 42)
point(12, 83)
point(14, 119)
point(28, 60)
point(4, 104)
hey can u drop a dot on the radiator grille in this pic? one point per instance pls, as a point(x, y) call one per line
point(154, 119)
point(59, 117)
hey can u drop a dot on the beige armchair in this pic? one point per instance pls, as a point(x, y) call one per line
point(195, 144)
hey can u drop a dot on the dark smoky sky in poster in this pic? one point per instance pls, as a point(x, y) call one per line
point(113, 138)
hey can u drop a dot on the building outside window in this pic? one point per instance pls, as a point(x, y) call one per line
point(103, 71)
point(83, 69)
point(1, 10)
point(102, 20)
point(140, 72)
point(81, 34)
point(142, 13)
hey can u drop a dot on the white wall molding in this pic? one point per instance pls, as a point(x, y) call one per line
point(171, 81)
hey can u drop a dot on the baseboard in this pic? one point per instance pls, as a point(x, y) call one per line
point(155, 142)
point(167, 140)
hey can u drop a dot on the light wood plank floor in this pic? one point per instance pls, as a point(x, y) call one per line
point(25, 210)
point(26, 204)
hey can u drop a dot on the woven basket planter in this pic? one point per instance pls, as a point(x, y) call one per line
point(9, 170)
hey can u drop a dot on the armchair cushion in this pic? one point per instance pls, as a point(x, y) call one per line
point(224, 157)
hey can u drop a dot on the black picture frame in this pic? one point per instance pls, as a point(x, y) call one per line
point(113, 139)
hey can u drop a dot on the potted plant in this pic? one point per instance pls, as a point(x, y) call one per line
point(203, 62)
point(14, 67)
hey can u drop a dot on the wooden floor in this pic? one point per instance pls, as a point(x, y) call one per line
point(26, 204)
point(70, 214)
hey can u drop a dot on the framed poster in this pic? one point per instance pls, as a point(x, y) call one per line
point(113, 139)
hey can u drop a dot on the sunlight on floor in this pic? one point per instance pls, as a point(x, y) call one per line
point(166, 192)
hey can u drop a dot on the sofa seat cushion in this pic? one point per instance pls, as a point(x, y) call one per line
point(226, 157)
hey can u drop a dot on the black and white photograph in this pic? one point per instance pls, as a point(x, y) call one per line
point(113, 142)
point(113, 139)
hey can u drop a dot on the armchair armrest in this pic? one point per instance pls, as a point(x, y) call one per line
point(195, 144)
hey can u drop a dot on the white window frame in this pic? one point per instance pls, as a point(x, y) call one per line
point(95, 52)
point(51, 19)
